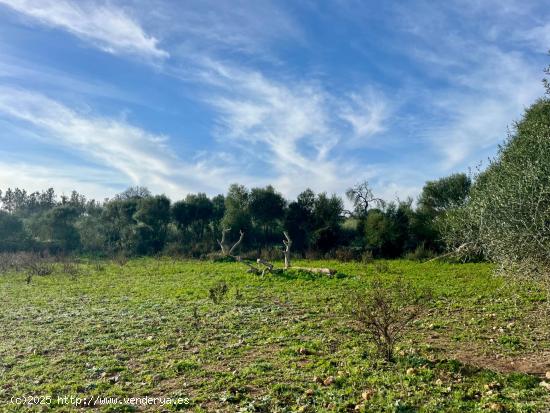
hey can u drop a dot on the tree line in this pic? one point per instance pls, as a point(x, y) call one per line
point(500, 213)
point(136, 222)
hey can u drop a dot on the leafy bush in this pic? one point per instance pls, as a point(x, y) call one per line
point(347, 254)
point(367, 257)
point(420, 253)
point(71, 268)
point(121, 259)
point(385, 311)
point(218, 292)
point(507, 216)
point(381, 267)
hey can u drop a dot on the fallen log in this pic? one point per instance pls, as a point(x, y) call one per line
point(456, 251)
point(268, 266)
point(251, 268)
point(324, 271)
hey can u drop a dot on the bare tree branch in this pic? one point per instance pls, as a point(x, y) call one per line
point(221, 242)
point(362, 197)
point(226, 251)
point(237, 243)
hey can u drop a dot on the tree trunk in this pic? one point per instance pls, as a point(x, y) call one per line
point(287, 243)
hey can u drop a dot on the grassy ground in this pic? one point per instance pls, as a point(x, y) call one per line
point(274, 344)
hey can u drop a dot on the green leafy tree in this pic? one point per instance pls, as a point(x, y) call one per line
point(445, 193)
point(181, 215)
point(13, 236)
point(389, 232)
point(135, 222)
point(507, 216)
point(377, 232)
point(267, 209)
point(119, 225)
point(152, 217)
point(237, 215)
point(218, 211)
point(299, 220)
point(61, 227)
point(92, 234)
point(201, 210)
point(437, 198)
point(194, 215)
point(134, 192)
point(327, 216)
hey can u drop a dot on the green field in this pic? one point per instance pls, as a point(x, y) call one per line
point(281, 343)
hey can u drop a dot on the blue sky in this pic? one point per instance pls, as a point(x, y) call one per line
point(193, 96)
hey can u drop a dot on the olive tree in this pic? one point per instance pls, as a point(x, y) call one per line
point(507, 216)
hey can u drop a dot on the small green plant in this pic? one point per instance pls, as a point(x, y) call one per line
point(381, 267)
point(186, 365)
point(385, 311)
point(218, 292)
point(366, 257)
point(421, 253)
point(120, 259)
point(238, 294)
point(71, 269)
point(99, 266)
point(512, 342)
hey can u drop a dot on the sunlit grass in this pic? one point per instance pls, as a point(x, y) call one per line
point(273, 344)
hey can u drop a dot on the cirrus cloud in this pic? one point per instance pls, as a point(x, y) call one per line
point(103, 25)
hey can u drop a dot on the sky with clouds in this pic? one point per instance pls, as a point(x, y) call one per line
point(193, 96)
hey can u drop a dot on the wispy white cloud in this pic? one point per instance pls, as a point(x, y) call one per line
point(120, 145)
point(240, 27)
point(277, 120)
point(40, 175)
point(484, 84)
point(137, 156)
point(295, 129)
point(367, 113)
point(103, 25)
point(538, 37)
point(27, 72)
point(284, 132)
point(126, 154)
point(488, 95)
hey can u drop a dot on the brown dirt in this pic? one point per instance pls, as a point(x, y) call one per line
point(535, 363)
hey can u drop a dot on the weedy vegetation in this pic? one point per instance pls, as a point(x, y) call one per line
point(276, 343)
point(218, 292)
